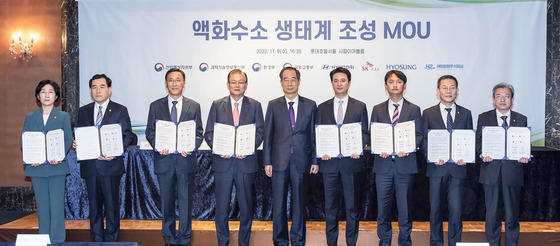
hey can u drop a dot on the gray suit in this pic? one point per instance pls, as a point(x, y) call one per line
point(175, 173)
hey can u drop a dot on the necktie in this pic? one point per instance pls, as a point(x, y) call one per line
point(236, 114)
point(504, 123)
point(396, 114)
point(99, 116)
point(340, 114)
point(174, 112)
point(449, 119)
point(292, 115)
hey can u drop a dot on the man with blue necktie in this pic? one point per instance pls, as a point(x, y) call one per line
point(175, 171)
point(502, 179)
point(103, 175)
point(447, 179)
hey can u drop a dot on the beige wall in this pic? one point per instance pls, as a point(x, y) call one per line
point(18, 79)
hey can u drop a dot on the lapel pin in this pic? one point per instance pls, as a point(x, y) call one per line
point(110, 110)
point(55, 117)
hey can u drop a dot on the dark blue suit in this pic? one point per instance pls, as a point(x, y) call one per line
point(240, 172)
point(289, 169)
point(175, 173)
point(342, 174)
point(395, 176)
point(48, 180)
point(446, 181)
point(502, 181)
point(103, 177)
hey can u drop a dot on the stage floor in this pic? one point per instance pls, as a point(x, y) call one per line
point(148, 232)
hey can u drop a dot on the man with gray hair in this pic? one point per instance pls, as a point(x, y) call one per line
point(502, 179)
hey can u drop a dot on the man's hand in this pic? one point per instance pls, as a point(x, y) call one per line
point(325, 157)
point(103, 158)
point(486, 158)
point(268, 170)
point(314, 169)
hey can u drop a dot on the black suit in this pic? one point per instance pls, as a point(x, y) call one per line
point(175, 173)
point(103, 177)
point(502, 181)
point(395, 176)
point(289, 169)
point(446, 181)
point(342, 174)
point(240, 172)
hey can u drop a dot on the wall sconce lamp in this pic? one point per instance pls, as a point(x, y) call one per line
point(20, 49)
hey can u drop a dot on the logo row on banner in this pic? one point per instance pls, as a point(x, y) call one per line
point(256, 67)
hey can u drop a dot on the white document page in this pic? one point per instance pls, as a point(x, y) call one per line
point(351, 139)
point(223, 142)
point(494, 142)
point(381, 138)
point(33, 146)
point(186, 136)
point(463, 146)
point(438, 145)
point(245, 140)
point(326, 140)
point(111, 140)
point(166, 136)
point(55, 145)
point(405, 137)
point(518, 142)
point(87, 139)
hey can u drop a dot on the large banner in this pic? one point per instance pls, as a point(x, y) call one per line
point(482, 44)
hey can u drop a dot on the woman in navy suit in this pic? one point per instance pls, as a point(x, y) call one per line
point(48, 178)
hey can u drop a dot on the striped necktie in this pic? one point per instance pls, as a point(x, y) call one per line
point(99, 117)
point(396, 114)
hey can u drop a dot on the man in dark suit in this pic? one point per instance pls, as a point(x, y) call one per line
point(104, 174)
point(447, 179)
point(175, 171)
point(236, 110)
point(289, 156)
point(394, 173)
point(502, 179)
point(342, 174)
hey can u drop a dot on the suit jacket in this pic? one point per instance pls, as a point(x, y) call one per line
point(512, 170)
point(431, 119)
point(57, 120)
point(356, 111)
point(409, 111)
point(159, 110)
point(221, 112)
point(279, 137)
point(115, 113)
